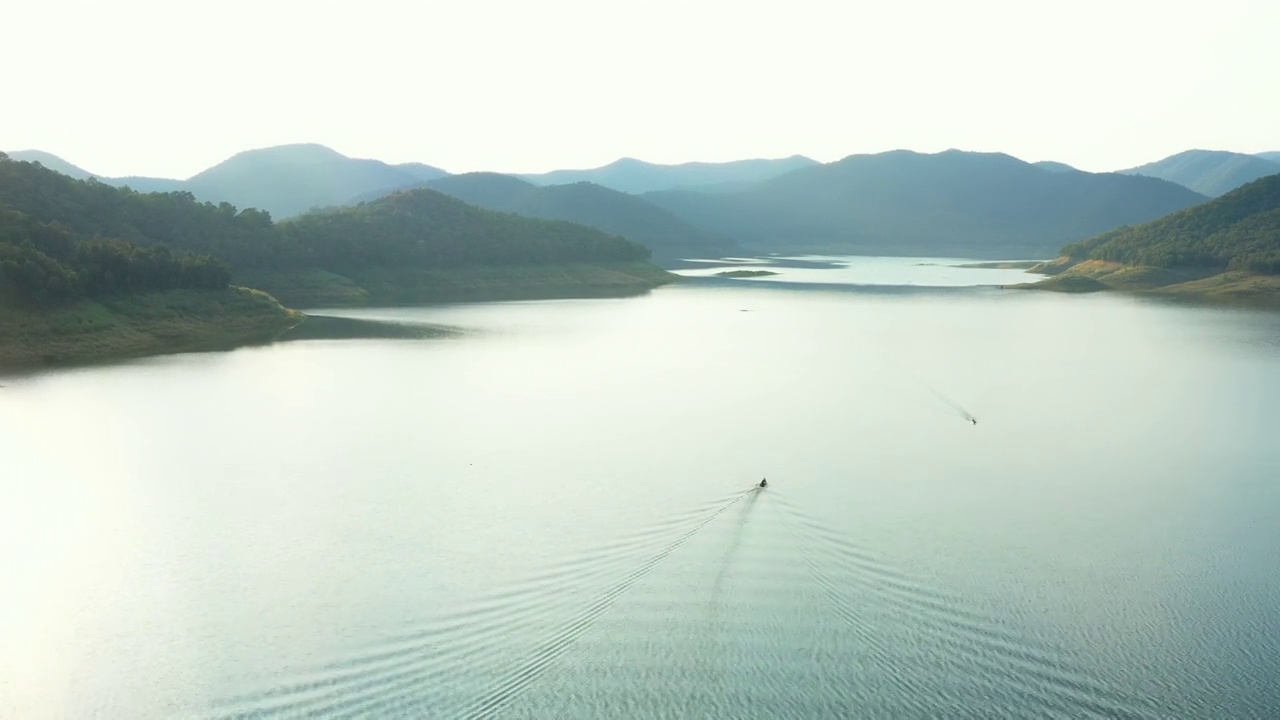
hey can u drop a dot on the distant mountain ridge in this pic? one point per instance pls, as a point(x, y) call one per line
point(1209, 172)
point(634, 176)
point(284, 180)
point(977, 204)
point(51, 161)
point(588, 204)
point(949, 203)
point(288, 180)
point(1054, 166)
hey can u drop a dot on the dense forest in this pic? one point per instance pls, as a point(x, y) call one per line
point(62, 238)
point(53, 252)
point(427, 229)
point(1238, 231)
point(588, 204)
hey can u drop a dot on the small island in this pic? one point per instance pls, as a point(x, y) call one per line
point(745, 273)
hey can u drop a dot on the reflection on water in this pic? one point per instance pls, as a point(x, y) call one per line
point(554, 513)
point(319, 326)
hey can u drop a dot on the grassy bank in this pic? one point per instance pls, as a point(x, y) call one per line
point(134, 325)
point(1233, 287)
point(382, 286)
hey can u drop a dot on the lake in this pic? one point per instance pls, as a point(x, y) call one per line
point(552, 511)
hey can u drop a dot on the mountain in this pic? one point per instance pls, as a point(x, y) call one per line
point(636, 176)
point(61, 236)
point(146, 184)
point(63, 239)
point(51, 161)
point(284, 180)
point(288, 180)
point(57, 164)
point(1272, 156)
point(425, 228)
point(1208, 172)
point(1053, 166)
point(421, 172)
point(950, 203)
point(1237, 231)
point(588, 204)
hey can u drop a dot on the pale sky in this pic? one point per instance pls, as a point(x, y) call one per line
point(168, 88)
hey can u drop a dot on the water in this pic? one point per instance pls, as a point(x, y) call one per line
point(551, 513)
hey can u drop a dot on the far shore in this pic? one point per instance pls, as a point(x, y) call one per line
point(1218, 287)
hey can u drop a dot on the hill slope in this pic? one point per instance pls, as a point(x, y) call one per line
point(421, 171)
point(51, 161)
point(1208, 172)
point(83, 274)
point(290, 179)
point(950, 203)
point(1238, 231)
point(1054, 166)
point(285, 180)
point(588, 204)
point(57, 164)
point(44, 213)
point(1273, 156)
point(629, 175)
point(426, 228)
point(421, 245)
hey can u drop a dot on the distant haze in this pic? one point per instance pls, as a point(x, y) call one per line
point(167, 89)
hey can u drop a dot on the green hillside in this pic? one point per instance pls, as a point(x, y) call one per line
point(589, 204)
point(70, 248)
point(63, 239)
point(425, 228)
point(1238, 231)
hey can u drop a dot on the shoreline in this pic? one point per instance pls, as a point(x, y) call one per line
point(475, 283)
point(1232, 287)
point(86, 332)
point(130, 326)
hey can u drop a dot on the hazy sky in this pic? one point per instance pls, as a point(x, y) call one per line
point(169, 88)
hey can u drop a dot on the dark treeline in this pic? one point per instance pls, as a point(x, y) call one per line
point(45, 262)
point(63, 238)
point(1238, 231)
point(424, 228)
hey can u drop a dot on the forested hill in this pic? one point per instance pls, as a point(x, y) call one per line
point(1238, 231)
point(61, 236)
point(62, 239)
point(589, 204)
point(951, 203)
point(425, 228)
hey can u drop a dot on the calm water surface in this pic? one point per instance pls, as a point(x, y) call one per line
point(551, 513)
